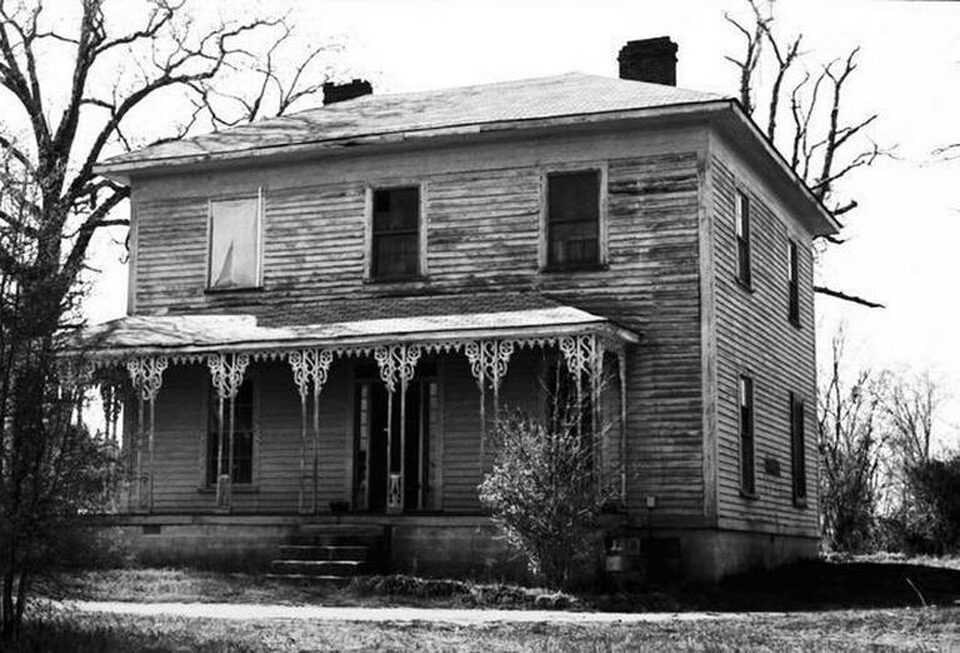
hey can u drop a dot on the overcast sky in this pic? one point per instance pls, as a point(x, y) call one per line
point(903, 241)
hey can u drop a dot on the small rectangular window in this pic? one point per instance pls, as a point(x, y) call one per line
point(234, 247)
point(748, 483)
point(395, 246)
point(798, 450)
point(743, 238)
point(573, 219)
point(793, 284)
point(242, 471)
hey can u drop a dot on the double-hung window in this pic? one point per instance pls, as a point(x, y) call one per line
point(239, 465)
point(748, 481)
point(395, 233)
point(573, 219)
point(793, 284)
point(798, 450)
point(742, 214)
point(234, 244)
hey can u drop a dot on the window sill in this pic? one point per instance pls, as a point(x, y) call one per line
point(800, 504)
point(586, 267)
point(224, 291)
point(387, 281)
point(795, 324)
point(244, 488)
point(752, 496)
point(746, 287)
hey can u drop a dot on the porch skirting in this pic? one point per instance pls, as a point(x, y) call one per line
point(428, 545)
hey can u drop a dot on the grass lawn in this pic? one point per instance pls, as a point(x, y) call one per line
point(923, 629)
point(866, 603)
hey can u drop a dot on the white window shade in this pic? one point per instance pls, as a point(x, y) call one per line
point(234, 243)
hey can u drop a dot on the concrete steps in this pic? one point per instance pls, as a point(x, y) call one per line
point(331, 553)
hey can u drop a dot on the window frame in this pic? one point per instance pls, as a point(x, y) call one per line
point(395, 184)
point(793, 282)
point(599, 167)
point(744, 265)
point(258, 284)
point(746, 419)
point(798, 450)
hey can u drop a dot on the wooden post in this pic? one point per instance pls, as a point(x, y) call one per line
point(303, 451)
point(390, 501)
point(141, 437)
point(221, 446)
point(316, 448)
point(622, 369)
point(150, 435)
point(403, 440)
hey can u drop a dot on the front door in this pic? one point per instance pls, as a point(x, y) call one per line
point(392, 443)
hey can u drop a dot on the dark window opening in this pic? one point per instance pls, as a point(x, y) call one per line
point(748, 482)
point(396, 233)
point(798, 450)
point(743, 239)
point(793, 284)
point(573, 219)
point(242, 471)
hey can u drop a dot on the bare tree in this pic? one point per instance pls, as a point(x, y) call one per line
point(818, 143)
point(911, 407)
point(851, 444)
point(52, 203)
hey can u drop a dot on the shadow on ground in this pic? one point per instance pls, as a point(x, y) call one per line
point(821, 585)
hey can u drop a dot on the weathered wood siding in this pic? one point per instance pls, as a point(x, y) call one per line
point(755, 338)
point(483, 207)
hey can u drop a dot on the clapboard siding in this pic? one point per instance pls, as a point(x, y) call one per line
point(483, 219)
point(755, 338)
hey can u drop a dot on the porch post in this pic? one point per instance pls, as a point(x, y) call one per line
point(146, 374)
point(310, 370)
point(622, 369)
point(396, 362)
point(488, 363)
point(584, 353)
point(226, 371)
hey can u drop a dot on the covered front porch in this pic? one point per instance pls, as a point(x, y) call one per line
point(358, 418)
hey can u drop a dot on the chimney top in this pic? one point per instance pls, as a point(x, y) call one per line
point(649, 60)
point(333, 92)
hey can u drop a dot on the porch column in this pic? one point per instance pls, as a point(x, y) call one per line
point(310, 370)
point(488, 364)
point(146, 375)
point(396, 363)
point(226, 371)
point(622, 369)
point(584, 354)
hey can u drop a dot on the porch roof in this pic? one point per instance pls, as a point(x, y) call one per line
point(205, 333)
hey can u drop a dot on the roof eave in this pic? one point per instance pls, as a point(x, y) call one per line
point(122, 171)
point(824, 223)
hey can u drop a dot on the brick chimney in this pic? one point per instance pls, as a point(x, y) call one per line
point(649, 60)
point(339, 92)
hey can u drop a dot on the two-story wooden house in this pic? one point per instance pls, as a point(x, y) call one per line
point(327, 311)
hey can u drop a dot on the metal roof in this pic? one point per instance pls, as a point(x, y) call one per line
point(173, 334)
point(423, 113)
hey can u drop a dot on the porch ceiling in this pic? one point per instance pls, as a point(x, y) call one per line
point(204, 333)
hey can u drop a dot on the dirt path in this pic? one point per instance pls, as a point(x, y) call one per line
point(455, 616)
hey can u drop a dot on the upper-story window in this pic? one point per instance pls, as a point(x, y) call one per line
point(234, 247)
point(743, 238)
point(573, 219)
point(395, 233)
point(793, 284)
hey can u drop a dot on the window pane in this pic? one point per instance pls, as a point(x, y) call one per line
point(234, 243)
point(573, 217)
point(396, 255)
point(396, 209)
point(743, 215)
